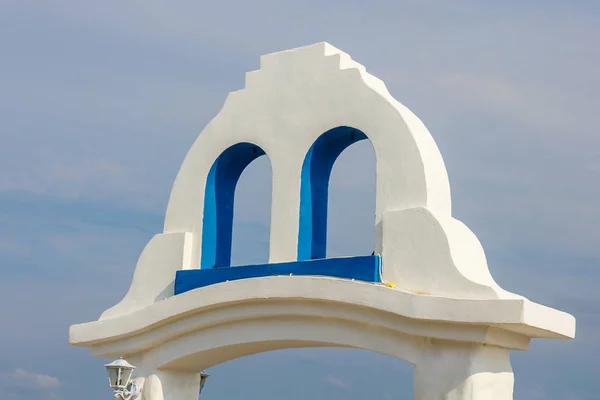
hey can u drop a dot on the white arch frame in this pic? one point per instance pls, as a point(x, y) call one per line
point(446, 314)
point(410, 169)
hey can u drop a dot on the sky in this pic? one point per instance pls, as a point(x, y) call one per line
point(100, 101)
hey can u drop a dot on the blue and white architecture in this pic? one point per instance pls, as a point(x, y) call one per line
point(425, 295)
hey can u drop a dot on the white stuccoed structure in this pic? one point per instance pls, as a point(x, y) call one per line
point(437, 305)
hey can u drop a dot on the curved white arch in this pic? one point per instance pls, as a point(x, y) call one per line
point(210, 325)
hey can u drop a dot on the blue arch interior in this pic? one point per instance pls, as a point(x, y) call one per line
point(217, 224)
point(314, 189)
point(312, 241)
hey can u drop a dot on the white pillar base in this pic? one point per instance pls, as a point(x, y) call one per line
point(455, 371)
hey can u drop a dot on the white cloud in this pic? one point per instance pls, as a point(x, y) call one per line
point(80, 177)
point(28, 380)
point(12, 246)
point(337, 382)
point(545, 109)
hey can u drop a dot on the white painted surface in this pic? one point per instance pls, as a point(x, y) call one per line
point(445, 314)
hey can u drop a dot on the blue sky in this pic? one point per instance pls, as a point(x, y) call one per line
point(100, 101)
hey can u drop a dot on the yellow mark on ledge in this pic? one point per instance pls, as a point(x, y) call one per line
point(419, 292)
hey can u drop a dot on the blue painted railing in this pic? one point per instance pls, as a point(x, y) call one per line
point(361, 268)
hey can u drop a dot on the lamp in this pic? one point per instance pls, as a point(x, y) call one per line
point(119, 376)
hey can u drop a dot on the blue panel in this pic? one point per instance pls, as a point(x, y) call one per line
point(362, 268)
point(217, 223)
point(316, 169)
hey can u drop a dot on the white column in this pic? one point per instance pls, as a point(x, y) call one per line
point(456, 371)
point(170, 385)
point(285, 203)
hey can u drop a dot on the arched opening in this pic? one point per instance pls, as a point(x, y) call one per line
point(311, 373)
point(351, 216)
point(315, 193)
point(217, 224)
point(252, 214)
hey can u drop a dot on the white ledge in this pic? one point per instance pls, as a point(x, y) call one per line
point(520, 316)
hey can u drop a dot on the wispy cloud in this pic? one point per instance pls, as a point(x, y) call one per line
point(29, 380)
point(337, 382)
point(13, 246)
